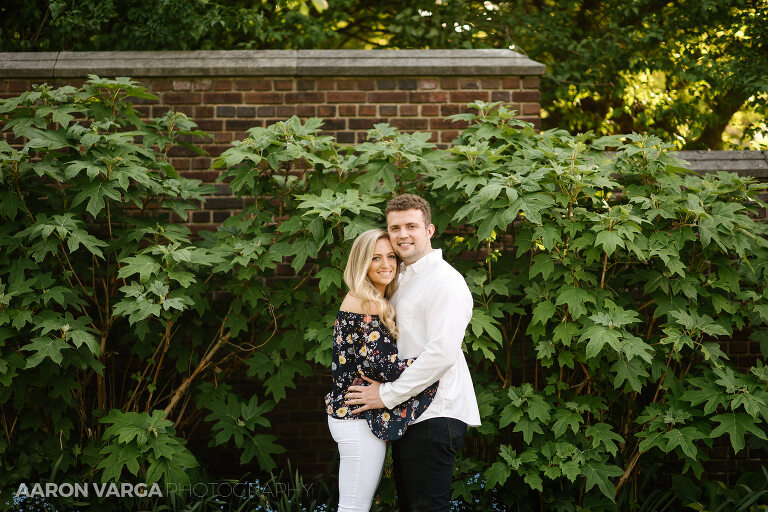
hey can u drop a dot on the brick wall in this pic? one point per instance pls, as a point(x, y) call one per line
point(228, 92)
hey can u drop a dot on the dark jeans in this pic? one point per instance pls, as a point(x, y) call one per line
point(423, 464)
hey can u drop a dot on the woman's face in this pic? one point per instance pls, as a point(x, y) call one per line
point(383, 264)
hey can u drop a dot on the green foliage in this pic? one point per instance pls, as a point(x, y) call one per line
point(604, 285)
point(94, 275)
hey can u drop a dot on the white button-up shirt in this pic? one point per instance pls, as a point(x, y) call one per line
point(433, 307)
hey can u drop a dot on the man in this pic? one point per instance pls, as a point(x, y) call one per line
point(433, 307)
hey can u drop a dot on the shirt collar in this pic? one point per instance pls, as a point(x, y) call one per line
point(424, 261)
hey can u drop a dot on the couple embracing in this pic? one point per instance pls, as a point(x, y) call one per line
point(399, 373)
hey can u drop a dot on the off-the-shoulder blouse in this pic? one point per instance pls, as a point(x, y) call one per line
point(362, 345)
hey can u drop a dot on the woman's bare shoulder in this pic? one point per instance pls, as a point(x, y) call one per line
point(353, 304)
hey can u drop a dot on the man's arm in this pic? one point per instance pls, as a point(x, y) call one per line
point(448, 312)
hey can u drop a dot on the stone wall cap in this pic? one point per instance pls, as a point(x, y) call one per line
point(27, 64)
point(742, 162)
point(268, 63)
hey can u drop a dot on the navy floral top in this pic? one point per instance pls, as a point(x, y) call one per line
point(362, 345)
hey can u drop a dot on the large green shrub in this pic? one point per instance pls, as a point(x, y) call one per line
point(603, 288)
point(106, 319)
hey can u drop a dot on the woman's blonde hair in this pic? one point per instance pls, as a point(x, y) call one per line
point(360, 286)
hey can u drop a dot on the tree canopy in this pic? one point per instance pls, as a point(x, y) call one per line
point(693, 72)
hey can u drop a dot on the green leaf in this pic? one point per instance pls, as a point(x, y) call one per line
point(142, 264)
point(45, 347)
point(599, 473)
point(684, 438)
point(497, 474)
point(602, 433)
point(736, 425)
point(542, 312)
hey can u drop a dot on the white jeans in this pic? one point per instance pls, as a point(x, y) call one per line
point(361, 461)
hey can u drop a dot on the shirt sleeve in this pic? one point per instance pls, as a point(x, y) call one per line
point(379, 356)
point(448, 311)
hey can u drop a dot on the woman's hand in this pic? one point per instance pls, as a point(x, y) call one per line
point(367, 396)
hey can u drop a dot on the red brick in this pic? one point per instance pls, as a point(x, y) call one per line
point(262, 85)
point(448, 135)
point(210, 124)
point(365, 85)
point(444, 124)
point(389, 97)
point(285, 111)
point(222, 85)
point(449, 83)
point(469, 96)
point(187, 110)
point(448, 110)
point(346, 84)
point(409, 110)
point(160, 110)
point(263, 97)
point(345, 137)
point(526, 96)
point(429, 84)
point(347, 110)
point(386, 84)
point(428, 97)
point(531, 82)
point(346, 97)
point(265, 111)
point(176, 98)
point(410, 124)
point(500, 96)
point(388, 110)
point(531, 108)
point(143, 110)
point(304, 97)
point(305, 85)
point(182, 85)
point(160, 85)
point(510, 83)
point(283, 85)
point(366, 110)
point(203, 111)
point(335, 124)
point(203, 217)
point(469, 83)
point(326, 84)
point(326, 110)
point(490, 83)
point(202, 85)
point(221, 137)
point(217, 98)
point(242, 84)
point(306, 111)
point(430, 110)
point(205, 176)
point(363, 123)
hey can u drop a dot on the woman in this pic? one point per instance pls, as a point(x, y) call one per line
point(363, 344)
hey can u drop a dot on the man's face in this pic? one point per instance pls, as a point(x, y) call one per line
point(410, 238)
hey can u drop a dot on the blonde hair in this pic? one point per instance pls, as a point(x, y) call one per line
point(360, 286)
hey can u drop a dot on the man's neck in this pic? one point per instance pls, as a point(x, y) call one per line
point(420, 257)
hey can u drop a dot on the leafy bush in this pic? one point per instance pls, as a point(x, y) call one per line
point(106, 319)
point(603, 287)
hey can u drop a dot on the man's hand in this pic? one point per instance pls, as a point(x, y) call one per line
point(368, 396)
